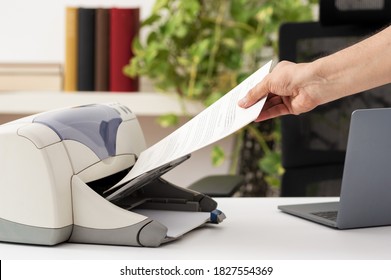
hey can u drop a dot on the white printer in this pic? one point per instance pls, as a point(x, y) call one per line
point(55, 172)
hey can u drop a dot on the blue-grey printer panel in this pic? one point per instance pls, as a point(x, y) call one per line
point(95, 126)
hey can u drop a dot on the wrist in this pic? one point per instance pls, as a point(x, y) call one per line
point(331, 82)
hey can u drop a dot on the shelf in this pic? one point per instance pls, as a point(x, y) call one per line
point(142, 104)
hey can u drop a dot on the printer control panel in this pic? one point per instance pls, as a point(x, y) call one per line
point(125, 113)
point(94, 125)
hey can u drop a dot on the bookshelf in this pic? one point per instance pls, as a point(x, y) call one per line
point(141, 103)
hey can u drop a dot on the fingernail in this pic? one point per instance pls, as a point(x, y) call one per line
point(242, 102)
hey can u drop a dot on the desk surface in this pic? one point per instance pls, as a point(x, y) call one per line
point(254, 229)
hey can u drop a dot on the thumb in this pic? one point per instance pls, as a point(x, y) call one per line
point(255, 94)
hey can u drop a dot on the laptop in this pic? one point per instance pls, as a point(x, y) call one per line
point(365, 198)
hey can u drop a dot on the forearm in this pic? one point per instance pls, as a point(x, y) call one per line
point(357, 68)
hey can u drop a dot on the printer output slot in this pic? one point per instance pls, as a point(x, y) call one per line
point(159, 204)
point(170, 204)
point(151, 191)
point(156, 195)
point(147, 178)
point(101, 186)
point(162, 195)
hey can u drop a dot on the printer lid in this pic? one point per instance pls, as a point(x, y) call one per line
point(94, 125)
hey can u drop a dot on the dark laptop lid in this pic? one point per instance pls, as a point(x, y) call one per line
point(366, 184)
point(365, 199)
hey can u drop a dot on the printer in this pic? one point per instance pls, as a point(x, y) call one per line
point(57, 172)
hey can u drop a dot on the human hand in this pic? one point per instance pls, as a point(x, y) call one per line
point(290, 89)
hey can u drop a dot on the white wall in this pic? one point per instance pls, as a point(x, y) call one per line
point(34, 30)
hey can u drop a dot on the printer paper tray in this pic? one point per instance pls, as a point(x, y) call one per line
point(177, 222)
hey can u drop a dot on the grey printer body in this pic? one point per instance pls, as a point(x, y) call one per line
point(56, 168)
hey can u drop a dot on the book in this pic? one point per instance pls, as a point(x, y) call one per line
point(70, 64)
point(85, 49)
point(31, 77)
point(124, 27)
point(101, 74)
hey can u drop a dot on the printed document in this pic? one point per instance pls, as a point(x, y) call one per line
point(219, 120)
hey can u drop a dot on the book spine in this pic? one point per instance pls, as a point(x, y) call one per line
point(124, 27)
point(70, 67)
point(86, 49)
point(102, 50)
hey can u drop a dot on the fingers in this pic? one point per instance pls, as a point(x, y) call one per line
point(272, 112)
point(272, 100)
point(260, 91)
point(274, 107)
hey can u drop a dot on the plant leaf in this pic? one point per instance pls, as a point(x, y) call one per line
point(168, 120)
point(218, 156)
point(270, 163)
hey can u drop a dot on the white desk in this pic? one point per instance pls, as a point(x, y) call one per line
point(254, 229)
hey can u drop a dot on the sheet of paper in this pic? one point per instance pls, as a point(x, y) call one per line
point(219, 120)
point(177, 222)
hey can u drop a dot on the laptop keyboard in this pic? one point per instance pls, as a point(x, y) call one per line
point(329, 215)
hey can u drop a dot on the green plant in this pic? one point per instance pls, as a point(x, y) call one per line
point(201, 49)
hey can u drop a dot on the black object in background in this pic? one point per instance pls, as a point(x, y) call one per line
point(361, 12)
point(86, 49)
point(314, 143)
